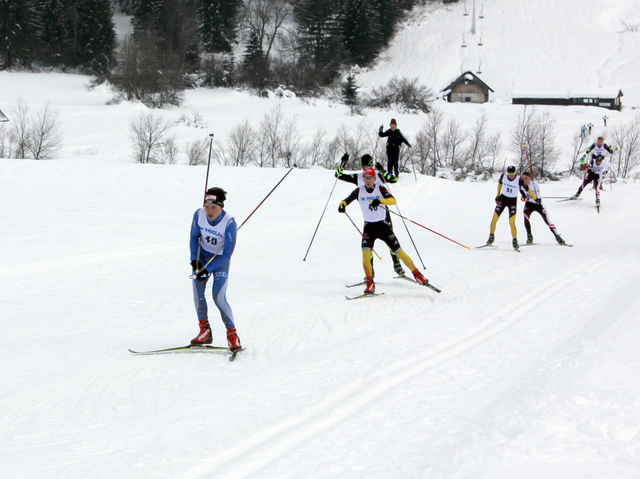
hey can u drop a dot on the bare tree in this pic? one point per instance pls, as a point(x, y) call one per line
point(270, 136)
point(19, 134)
point(533, 139)
point(263, 22)
point(290, 145)
point(197, 152)
point(316, 150)
point(578, 147)
point(627, 154)
point(452, 143)
point(45, 134)
point(242, 146)
point(170, 151)
point(148, 132)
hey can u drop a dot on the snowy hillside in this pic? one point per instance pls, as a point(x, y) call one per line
point(525, 366)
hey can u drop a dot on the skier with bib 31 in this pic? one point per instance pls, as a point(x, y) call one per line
point(507, 197)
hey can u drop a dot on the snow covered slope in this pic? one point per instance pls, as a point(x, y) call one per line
point(525, 365)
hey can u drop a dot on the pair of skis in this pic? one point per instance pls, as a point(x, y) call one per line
point(370, 295)
point(205, 348)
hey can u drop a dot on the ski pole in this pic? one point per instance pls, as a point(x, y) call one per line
point(524, 145)
point(428, 229)
point(196, 273)
point(356, 227)
point(321, 216)
point(206, 180)
point(407, 228)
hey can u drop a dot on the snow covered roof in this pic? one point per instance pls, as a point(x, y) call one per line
point(580, 92)
point(467, 77)
point(3, 117)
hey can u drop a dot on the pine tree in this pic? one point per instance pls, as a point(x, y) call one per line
point(361, 31)
point(218, 23)
point(253, 62)
point(95, 36)
point(52, 31)
point(350, 91)
point(17, 32)
point(320, 34)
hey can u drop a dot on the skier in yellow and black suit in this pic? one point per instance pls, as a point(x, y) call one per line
point(507, 197)
point(381, 179)
point(371, 196)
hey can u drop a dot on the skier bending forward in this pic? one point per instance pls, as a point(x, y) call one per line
point(371, 196)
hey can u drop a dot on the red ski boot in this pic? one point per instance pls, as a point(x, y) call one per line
point(371, 286)
point(233, 340)
point(419, 278)
point(204, 337)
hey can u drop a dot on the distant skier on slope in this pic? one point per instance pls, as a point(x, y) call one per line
point(531, 205)
point(507, 197)
point(358, 180)
point(599, 148)
point(394, 142)
point(370, 196)
point(213, 233)
point(597, 169)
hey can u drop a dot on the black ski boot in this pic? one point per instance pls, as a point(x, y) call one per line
point(491, 239)
point(515, 244)
point(397, 266)
point(529, 239)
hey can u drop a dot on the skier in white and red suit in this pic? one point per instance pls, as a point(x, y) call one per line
point(371, 196)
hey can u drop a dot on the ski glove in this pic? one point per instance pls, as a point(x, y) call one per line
point(538, 201)
point(498, 202)
point(342, 207)
point(344, 159)
point(374, 204)
point(197, 266)
point(379, 167)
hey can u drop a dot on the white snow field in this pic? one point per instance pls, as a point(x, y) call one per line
point(525, 366)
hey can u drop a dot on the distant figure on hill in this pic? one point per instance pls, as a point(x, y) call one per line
point(394, 142)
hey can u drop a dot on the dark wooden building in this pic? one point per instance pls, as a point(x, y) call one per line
point(467, 88)
point(598, 97)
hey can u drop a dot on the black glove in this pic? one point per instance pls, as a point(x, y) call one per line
point(379, 167)
point(342, 207)
point(344, 159)
point(498, 202)
point(380, 129)
point(538, 201)
point(374, 204)
point(196, 265)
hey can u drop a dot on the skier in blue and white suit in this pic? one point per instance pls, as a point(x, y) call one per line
point(213, 235)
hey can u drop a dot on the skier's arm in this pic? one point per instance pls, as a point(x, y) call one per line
point(194, 241)
point(589, 149)
point(404, 140)
point(382, 134)
point(347, 201)
point(609, 149)
point(387, 199)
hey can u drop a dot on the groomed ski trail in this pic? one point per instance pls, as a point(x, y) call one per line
point(249, 456)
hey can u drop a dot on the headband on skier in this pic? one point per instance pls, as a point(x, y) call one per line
point(213, 199)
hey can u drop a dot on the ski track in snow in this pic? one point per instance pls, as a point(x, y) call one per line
point(249, 456)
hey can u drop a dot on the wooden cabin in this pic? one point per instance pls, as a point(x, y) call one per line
point(467, 88)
